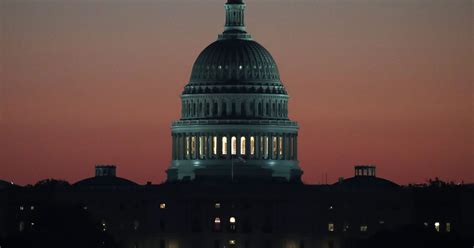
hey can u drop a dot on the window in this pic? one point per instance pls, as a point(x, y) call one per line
point(448, 227)
point(187, 146)
point(232, 224)
point(202, 143)
point(136, 224)
point(162, 205)
point(234, 145)
point(193, 146)
point(242, 145)
point(224, 145)
point(217, 224)
point(21, 208)
point(32, 208)
point(252, 145)
point(265, 147)
point(274, 144)
point(214, 145)
point(363, 228)
point(217, 205)
point(331, 227)
point(280, 148)
point(436, 226)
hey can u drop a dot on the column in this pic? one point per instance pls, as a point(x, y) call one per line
point(247, 145)
point(270, 146)
point(296, 146)
point(257, 147)
point(173, 150)
point(284, 157)
point(237, 144)
point(219, 146)
point(229, 146)
point(196, 146)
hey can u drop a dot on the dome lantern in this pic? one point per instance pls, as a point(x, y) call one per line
point(235, 21)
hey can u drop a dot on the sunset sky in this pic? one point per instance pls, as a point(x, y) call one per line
point(385, 82)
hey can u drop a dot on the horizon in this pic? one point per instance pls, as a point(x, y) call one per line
point(373, 82)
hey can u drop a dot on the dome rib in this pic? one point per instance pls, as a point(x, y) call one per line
point(230, 54)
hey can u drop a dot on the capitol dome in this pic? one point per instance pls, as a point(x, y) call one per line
point(234, 117)
point(231, 60)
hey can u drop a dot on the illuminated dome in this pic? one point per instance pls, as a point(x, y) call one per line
point(234, 118)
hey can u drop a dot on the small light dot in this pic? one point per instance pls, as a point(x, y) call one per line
point(240, 67)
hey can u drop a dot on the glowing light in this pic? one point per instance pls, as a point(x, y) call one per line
point(214, 145)
point(224, 145)
point(217, 220)
point(252, 145)
point(331, 227)
point(232, 219)
point(162, 205)
point(217, 205)
point(231, 242)
point(436, 224)
point(242, 145)
point(234, 145)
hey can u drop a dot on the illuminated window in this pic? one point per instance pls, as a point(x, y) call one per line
point(21, 208)
point(280, 148)
point(32, 208)
point(202, 143)
point(104, 226)
point(224, 145)
point(193, 145)
point(214, 145)
point(187, 146)
point(217, 224)
point(274, 145)
point(252, 145)
point(265, 147)
point(448, 227)
point(363, 228)
point(234, 145)
point(162, 205)
point(217, 205)
point(232, 225)
point(436, 226)
point(331, 227)
point(242, 145)
point(231, 242)
point(21, 226)
point(240, 67)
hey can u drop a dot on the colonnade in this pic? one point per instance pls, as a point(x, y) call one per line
point(203, 146)
point(208, 108)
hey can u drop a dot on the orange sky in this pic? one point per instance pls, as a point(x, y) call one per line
point(371, 81)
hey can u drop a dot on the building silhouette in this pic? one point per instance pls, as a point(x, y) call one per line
point(234, 180)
